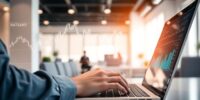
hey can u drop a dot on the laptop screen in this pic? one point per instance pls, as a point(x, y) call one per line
point(165, 56)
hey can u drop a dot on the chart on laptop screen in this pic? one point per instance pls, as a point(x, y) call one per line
point(170, 42)
point(164, 61)
point(168, 49)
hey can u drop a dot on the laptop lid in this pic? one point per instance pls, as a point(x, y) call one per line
point(161, 68)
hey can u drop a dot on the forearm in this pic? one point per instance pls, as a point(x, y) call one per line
point(22, 85)
point(17, 84)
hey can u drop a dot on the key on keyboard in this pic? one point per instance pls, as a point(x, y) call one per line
point(138, 92)
point(134, 90)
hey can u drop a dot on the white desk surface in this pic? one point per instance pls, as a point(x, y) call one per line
point(180, 89)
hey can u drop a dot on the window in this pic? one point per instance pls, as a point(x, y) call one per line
point(96, 45)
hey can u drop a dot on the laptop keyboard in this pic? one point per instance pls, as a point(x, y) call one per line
point(134, 91)
point(138, 92)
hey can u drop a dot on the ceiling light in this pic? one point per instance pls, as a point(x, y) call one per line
point(168, 22)
point(5, 8)
point(127, 22)
point(156, 2)
point(46, 22)
point(180, 13)
point(103, 22)
point(71, 11)
point(75, 22)
point(107, 11)
point(40, 11)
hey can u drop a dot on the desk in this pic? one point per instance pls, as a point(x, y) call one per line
point(181, 88)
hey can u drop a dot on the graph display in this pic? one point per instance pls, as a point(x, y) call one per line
point(164, 61)
point(167, 51)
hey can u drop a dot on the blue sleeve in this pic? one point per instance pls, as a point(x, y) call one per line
point(17, 84)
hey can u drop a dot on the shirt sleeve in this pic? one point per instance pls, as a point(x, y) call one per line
point(18, 84)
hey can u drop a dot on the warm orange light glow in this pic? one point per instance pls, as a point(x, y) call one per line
point(127, 22)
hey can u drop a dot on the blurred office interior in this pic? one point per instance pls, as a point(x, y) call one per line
point(117, 35)
point(114, 33)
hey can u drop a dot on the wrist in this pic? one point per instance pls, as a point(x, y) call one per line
point(78, 86)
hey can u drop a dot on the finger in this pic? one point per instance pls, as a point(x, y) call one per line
point(117, 79)
point(117, 74)
point(124, 79)
point(110, 73)
point(100, 72)
point(117, 86)
point(98, 69)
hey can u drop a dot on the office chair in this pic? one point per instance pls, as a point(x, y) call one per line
point(67, 68)
point(60, 67)
point(190, 67)
point(74, 68)
point(49, 67)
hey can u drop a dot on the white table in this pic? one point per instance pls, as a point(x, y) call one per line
point(180, 89)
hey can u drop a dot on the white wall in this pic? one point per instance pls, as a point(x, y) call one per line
point(137, 39)
point(24, 34)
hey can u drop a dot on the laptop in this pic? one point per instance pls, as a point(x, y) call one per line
point(161, 69)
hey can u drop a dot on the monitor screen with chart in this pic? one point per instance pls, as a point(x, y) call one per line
point(167, 51)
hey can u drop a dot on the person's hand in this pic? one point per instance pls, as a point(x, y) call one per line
point(99, 80)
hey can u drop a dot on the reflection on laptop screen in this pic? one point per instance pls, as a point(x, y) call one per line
point(167, 51)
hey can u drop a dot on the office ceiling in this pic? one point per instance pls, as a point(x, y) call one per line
point(88, 11)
